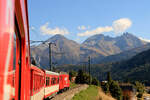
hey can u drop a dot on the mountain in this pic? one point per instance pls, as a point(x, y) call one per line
point(65, 51)
point(103, 43)
point(70, 52)
point(111, 46)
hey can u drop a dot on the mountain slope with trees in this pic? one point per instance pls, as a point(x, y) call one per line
point(135, 69)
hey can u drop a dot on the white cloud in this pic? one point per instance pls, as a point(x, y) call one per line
point(118, 26)
point(98, 30)
point(47, 30)
point(143, 39)
point(83, 27)
point(121, 25)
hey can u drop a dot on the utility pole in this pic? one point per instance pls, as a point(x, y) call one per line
point(89, 62)
point(50, 51)
point(50, 55)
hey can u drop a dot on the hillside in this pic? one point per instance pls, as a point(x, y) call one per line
point(92, 93)
point(136, 68)
point(125, 55)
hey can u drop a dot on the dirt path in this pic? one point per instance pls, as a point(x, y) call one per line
point(70, 93)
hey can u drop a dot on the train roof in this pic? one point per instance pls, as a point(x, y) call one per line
point(50, 72)
point(33, 67)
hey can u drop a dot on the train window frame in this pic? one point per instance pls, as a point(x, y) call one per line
point(18, 60)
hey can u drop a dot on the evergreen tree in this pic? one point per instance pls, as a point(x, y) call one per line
point(107, 88)
point(82, 78)
point(113, 87)
point(72, 74)
point(109, 79)
point(86, 78)
point(95, 82)
point(79, 78)
point(140, 89)
point(115, 90)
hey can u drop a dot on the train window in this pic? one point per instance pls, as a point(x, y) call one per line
point(47, 81)
point(58, 80)
point(52, 81)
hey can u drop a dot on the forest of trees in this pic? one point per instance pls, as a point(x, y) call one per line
point(83, 78)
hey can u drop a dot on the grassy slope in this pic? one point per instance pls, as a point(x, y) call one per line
point(90, 93)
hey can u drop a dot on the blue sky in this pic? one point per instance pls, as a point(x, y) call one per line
point(79, 19)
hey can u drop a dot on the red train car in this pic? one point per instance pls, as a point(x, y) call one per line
point(44, 84)
point(37, 83)
point(64, 82)
point(52, 83)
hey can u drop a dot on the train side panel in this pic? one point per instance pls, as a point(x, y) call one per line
point(64, 81)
